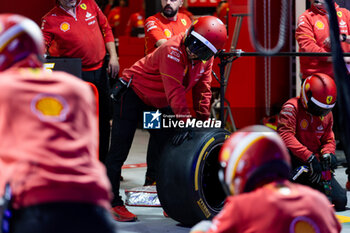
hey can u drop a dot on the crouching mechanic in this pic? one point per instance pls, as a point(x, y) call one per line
point(305, 125)
point(255, 170)
point(49, 145)
point(160, 80)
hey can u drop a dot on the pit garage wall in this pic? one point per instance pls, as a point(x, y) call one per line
point(246, 91)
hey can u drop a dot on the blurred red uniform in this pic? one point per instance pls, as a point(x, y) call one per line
point(136, 25)
point(114, 20)
point(311, 32)
point(159, 27)
point(273, 209)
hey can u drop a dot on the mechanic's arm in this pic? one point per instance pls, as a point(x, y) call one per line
point(201, 94)
point(154, 34)
point(286, 129)
point(172, 72)
point(113, 65)
point(48, 37)
point(328, 141)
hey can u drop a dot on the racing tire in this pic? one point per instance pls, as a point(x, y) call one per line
point(188, 186)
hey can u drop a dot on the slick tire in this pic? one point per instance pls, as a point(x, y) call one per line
point(188, 186)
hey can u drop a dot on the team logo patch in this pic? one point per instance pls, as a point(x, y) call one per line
point(304, 124)
point(83, 6)
point(303, 224)
point(319, 25)
point(307, 86)
point(183, 21)
point(49, 107)
point(339, 13)
point(65, 26)
point(151, 120)
point(167, 33)
point(329, 99)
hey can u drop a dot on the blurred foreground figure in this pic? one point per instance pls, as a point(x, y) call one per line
point(255, 171)
point(49, 145)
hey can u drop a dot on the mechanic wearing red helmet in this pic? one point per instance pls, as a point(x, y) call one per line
point(305, 125)
point(312, 35)
point(255, 167)
point(48, 150)
point(161, 80)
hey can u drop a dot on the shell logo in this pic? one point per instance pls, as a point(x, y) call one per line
point(167, 33)
point(139, 22)
point(319, 25)
point(116, 17)
point(329, 99)
point(65, 26)
point(183, 21)
point(50, 107)
point(304, 124)
point(303, 224)
point(340, 14)
point(83, 6)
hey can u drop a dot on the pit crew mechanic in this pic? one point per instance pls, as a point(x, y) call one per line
point(305, 125)
point(165, 24)
point(78, 29)
point(159, 29)
point(255, 167)
point(312, 35)
point(48, 151)
point(159, 80)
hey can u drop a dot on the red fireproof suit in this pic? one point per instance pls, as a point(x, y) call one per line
point(312, 30)
point(83, 36)
point(49, 153)
point(162, 78)
point(292, 208)
point(158, 27)
point(303, 133)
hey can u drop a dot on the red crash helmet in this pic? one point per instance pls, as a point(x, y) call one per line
point(318, 94)
point(252, 156)
point(20, 37)
point(206, 37)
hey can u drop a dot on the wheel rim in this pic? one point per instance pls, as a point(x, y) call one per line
point(213, 193)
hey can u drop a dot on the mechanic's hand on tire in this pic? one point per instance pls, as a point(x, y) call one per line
point(181, 136)
point(118, 89)
point(315, 169)
point(201, 227)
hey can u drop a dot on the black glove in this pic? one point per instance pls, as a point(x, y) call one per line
point(315, 169)
point(181, 136)
point(333, 162)
point(118, 89)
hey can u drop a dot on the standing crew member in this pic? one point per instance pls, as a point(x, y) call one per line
point(158, 29)
point(79, 29)
point(165, 24)
point(48, 150)
point(255, 168)
point(160, 80)
point(305, 125)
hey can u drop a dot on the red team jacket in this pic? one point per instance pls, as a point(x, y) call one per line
point(303, 133)
point(294, 208)
point(163, 77)
point(49, 153)
point(82, 37)
point(312, 30)
point(158, 27)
